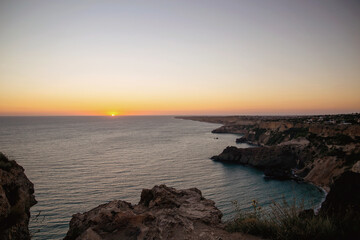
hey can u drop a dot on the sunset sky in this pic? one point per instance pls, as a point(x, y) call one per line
point(179, 57)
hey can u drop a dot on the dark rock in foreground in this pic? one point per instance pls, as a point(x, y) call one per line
point(16, 198)
point(276, 161)
point(342, 205)
point(162, 213)
point(343, 200)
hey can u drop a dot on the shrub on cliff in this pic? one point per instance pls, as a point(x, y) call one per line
point(283, 221)
point(275, 138)
point(338, 218)
point(259, 132)
point(296, 132)
point(339, 139)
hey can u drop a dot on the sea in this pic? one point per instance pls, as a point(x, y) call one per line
point(78, 163)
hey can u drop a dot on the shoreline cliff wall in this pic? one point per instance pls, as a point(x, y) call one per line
point(16, 199)
point(321, 147)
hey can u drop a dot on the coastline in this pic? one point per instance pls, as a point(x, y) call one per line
point(229, 127)
point(318, 207)
point(321, 147)
point(294, 177)
point(323, 190)
point(224, 130)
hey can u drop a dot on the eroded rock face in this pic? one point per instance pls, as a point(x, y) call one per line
point(16, 198)
point(276, 161)
point(323, 170)
point(162, 213)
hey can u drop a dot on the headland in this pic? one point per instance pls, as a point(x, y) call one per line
point(316, 149)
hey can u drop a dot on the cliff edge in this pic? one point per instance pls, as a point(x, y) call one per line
point(316, 149)
point(162, 213)
point(16, 198)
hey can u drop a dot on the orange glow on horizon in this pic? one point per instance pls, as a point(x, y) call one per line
point(236, 102)
point(73, 59)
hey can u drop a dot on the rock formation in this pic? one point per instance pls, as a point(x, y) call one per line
point(276, 161)
point(342, 204)
point(241, 140)
point(343, 200)
point(325, 145)
point(16, 198)
point(162, 213)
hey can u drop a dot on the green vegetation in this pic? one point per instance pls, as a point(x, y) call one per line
point(333, 146)
point(313, 138)
point(323, 149)
point(328, 119)
point(284, 221)
point(291, 133)
point(248, 127)
point(275, 137)
point(337, 152)
point(296, 132)
point(339, 139)
point(259, 132)
point(350, 118)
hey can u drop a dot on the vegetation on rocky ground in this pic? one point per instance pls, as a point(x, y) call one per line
point(286, 220)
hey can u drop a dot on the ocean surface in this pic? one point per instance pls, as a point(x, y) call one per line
point(77, 163)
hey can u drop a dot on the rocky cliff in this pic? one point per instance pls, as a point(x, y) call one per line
point(162, 213)
point(343, 200)
point(276, 161)
point(324, 147)
point(342, 204)
point(16, 198)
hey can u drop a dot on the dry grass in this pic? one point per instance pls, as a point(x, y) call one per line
point(283, 221)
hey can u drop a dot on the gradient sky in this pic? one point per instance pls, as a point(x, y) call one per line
point(179, 57)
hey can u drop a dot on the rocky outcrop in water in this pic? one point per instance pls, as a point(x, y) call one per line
point(276, 161)
point(241, 140)
point(162, 213)
point(16, 198)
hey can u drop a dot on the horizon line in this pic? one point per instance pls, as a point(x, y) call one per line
point(186, 115)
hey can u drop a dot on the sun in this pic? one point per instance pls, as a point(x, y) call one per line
point(113, 113)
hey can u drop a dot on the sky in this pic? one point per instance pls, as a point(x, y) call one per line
point(186, 57)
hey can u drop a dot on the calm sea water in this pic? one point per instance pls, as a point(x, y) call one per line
point(77, 163)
